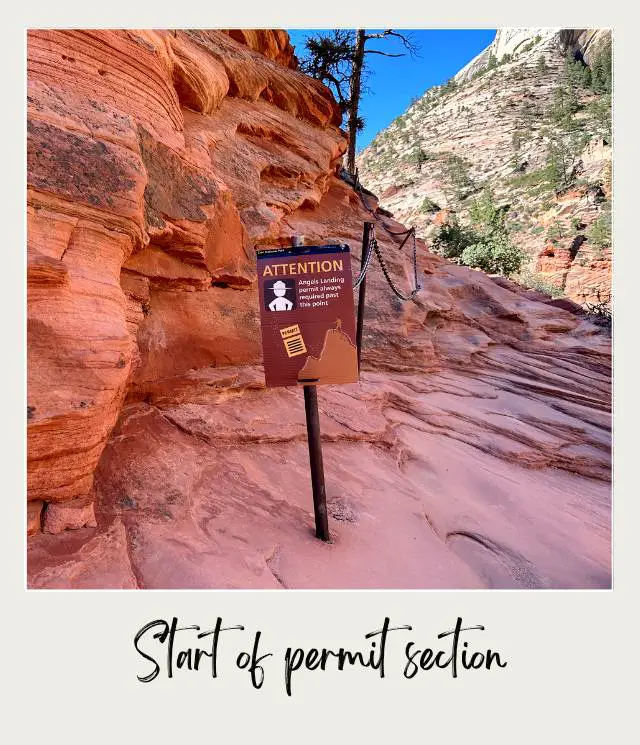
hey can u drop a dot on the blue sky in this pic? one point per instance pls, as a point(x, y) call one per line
point(394, 82)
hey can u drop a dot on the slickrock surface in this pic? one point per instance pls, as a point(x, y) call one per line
point(474, 452)
point(496, 479)
point(476, 122)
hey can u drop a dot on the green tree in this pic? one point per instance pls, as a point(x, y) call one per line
point(455, 175)
point(541, 65)
point(486, 216)
point(599, 112)
point(485, 244)
point(559, 163)
point(601, 73)
point(555, 232)
point(517, 140)
point(576, 73)
point(428, 205)
point(452, 238)
point(328, 58)
point(600, 231)
point(565, 104)
point(493, 252)
point(528, 114)
point(495, 255)
point(418, 156)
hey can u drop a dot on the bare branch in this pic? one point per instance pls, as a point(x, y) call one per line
point(384, 54)
point(407, 40)
point(378, 36)
point(337, 85)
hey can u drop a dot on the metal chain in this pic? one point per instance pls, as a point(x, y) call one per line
point(358, 190)
point(396, 291)
point(367, 262)
point(373, 246)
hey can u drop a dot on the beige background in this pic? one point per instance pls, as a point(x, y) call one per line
point(69, 665)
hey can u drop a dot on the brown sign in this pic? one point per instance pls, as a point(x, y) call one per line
point(306, 312)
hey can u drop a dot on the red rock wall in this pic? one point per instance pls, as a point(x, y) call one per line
point(585, 278)
point(127, 214)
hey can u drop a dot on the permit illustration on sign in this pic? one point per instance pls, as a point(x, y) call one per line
point(306, 314)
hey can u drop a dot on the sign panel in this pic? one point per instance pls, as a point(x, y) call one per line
point(306, 314)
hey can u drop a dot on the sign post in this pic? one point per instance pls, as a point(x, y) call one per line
point(315, 462)
point(308, 335)
point(363, 286)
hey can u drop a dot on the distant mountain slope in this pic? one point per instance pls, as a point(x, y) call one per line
point(494, 125)
point(508, 41)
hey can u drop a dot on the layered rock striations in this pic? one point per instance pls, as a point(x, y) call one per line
point(131, 211)
point(475, 451)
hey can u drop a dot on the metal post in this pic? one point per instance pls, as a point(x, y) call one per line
point(363, 286)
point(315, 450)
point(315, 461)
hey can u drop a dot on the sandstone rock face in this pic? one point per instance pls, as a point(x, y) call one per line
point(72, 514)
point(508, 41)
point(128, 215)
point(414, 164)
point(475, 452)
point(582, 42)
